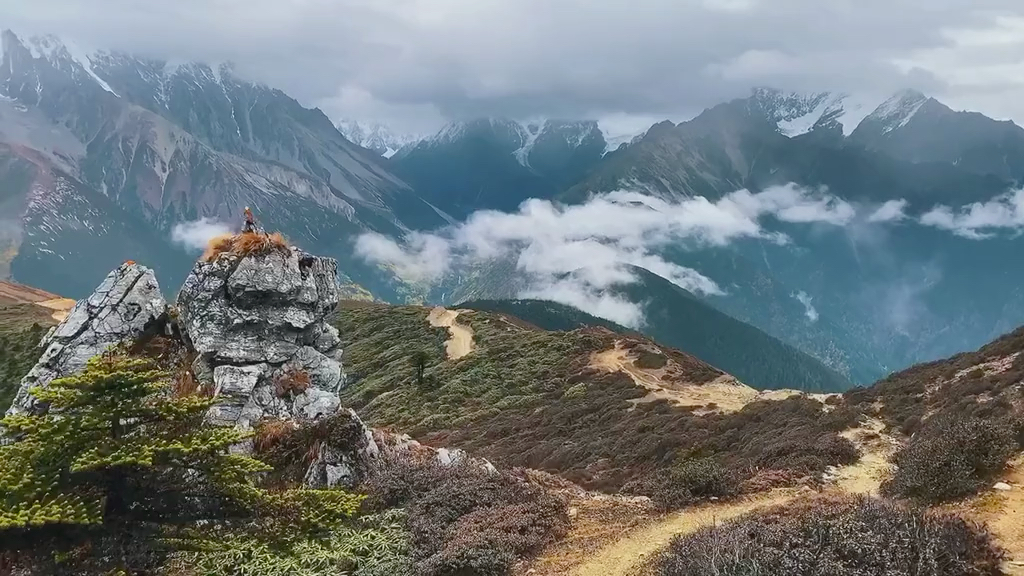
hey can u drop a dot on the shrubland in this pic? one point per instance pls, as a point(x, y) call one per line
point(852, 536)
point(530, 398)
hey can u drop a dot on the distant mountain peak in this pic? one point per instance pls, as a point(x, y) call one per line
point(796, 113)
point(376, 136)
point(56, 51)
point(898, 110)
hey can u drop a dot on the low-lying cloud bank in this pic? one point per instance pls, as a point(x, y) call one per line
point(196, 234)
point(575, 254)
point(980, 220)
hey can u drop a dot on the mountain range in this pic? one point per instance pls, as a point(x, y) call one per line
point(106, 157)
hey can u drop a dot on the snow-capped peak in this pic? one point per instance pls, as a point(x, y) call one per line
point(898, 110)
point(530, 132)
point(54, 50)
point(376, 136)
point(797, 114)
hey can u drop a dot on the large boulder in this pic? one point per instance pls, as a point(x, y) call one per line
point(126, 305)
point(259, 325)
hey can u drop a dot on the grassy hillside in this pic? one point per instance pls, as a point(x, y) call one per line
point(676, 318)
point(533, 398)
point(545, 315)
point(985, 383)
point(21, 328)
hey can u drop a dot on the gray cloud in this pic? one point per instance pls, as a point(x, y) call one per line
point(417, 61)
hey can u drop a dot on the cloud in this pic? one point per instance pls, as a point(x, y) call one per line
point(890, 211)
point(424, 258)
point(979, 220)
point(791, 203)
point(195, 235)
point(662, 58)
point(575, 254)
point(804, 299)
point(599, 303)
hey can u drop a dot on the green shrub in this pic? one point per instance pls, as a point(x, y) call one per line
point(836, 536)
point(118, 463)
point(376, 545)
point(576, 391)
point(19, 351)
point(651, 360)
point(689, 481)
point(951, 458)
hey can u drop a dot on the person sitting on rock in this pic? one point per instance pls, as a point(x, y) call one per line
point(250, 221)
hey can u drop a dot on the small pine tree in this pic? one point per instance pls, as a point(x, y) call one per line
point(117, 450)
point(419, 361)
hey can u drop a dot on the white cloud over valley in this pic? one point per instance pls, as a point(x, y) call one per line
point(196, 234)
point(576, 254)
point(980, 220)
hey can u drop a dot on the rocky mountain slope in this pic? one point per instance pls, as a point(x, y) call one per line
point(104, 154)
point(496, 163)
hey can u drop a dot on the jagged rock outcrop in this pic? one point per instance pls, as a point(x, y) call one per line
point(259, 325)
point(126, 305)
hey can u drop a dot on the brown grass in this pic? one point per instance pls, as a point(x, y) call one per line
point(244, 244)
point(291, 382)
point(269, 433)
point(185, 384)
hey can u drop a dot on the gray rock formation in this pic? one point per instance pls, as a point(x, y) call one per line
point(344, 463)
point(125, 305)
point(259, 324)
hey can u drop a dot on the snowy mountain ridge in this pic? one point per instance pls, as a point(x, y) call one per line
point(796, 113)
point(376, 136)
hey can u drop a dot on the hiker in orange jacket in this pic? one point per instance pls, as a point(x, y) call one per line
point(250, 221)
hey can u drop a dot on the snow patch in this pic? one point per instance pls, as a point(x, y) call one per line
point(44, 47)
point(798, 125)
point(79, 56)
point(898, 110)
point(529, 132)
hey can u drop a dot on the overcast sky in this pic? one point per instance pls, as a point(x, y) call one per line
point(414, 63)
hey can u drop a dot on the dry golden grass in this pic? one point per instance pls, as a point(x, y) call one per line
point(185, 384)
point(244, 244)
point(291, 382)
point(270, 432)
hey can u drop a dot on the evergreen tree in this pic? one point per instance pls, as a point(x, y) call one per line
point(118, 453)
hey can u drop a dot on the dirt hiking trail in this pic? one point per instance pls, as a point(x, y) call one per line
point(627, 555)
point(1003, 512)
point(628, 549)
point(461, 341)
point(726, 393)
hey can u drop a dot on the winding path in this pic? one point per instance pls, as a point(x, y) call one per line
point(461, 341)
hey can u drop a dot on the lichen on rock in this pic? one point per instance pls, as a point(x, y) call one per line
point(256, 319)
point(124, 307)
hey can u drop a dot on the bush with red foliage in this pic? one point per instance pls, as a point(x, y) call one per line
point(464, 519)
point(832, 536)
